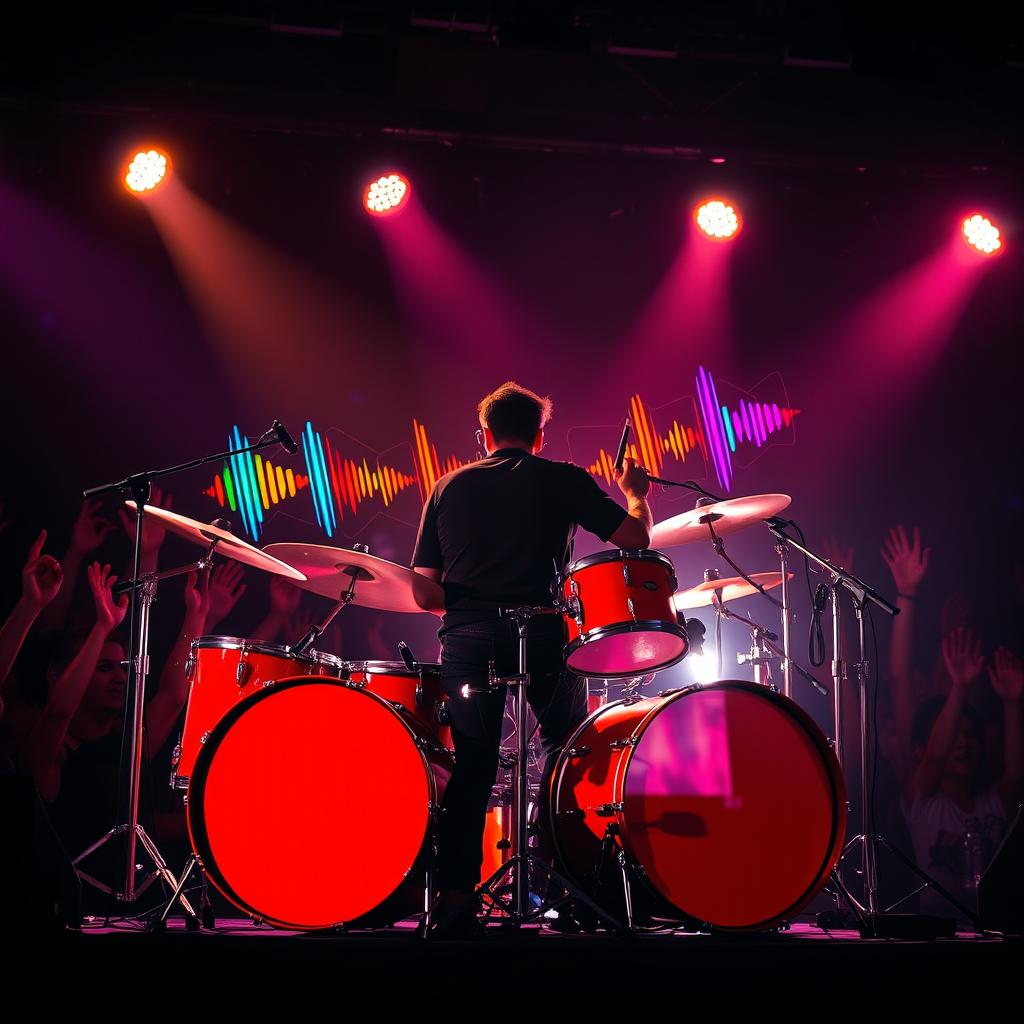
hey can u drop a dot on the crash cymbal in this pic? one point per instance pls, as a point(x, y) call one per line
point(379, 583)
point(725, 516)
point(732, 588)
point(228, 545)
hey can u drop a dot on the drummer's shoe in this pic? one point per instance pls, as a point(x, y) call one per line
point(573, 919)
point(455, 916)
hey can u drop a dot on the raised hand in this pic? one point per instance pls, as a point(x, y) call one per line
point(197, 599)
point(961, 651)
point(41, 577)
point(226, 589)
point(109, 613)
point(153, 531)
point(90, 529)
point(907, 562)
point(837, 553)
point(284, 598)
point(1007, 675)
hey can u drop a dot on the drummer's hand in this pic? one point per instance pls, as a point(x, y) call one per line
point(633, 480)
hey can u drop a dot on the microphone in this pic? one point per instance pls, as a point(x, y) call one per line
point(284, 439)
point(621, 453)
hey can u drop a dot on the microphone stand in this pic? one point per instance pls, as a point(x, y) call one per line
point(143, 589)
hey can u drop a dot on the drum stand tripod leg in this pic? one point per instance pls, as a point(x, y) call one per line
point(519, 909)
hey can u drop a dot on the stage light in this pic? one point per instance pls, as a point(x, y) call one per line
point(147, 170)
point(703, 667)
point(386, 195)
point(718, 219)
point(981, 234)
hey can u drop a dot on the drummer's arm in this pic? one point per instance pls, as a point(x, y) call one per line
point(163, 710)
point(635, 530)
point(430, 602)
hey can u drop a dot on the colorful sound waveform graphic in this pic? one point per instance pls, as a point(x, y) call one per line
point(701, 427)
point(252, 485)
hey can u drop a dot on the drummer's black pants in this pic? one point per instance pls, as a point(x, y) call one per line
point(558, 700)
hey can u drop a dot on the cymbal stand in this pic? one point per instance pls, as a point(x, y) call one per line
point(764, 648)
point(517, 907)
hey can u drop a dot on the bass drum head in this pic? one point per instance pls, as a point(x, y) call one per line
point(309, 803)
point(734, 805)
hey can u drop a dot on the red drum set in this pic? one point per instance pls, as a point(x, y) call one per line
point(313, 784)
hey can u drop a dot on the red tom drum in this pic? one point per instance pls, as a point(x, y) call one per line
point(619, 615)
point(223, 670)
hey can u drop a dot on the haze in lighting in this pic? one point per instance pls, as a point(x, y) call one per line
point(147, 170)
point(703, 667)
point(386, 195)
point(982, 234)
point(718, 219)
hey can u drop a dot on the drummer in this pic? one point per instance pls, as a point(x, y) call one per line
point(493, 533)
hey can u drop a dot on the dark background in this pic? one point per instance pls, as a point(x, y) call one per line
point(565, 169)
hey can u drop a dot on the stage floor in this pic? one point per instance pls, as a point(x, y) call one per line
point(386, 973)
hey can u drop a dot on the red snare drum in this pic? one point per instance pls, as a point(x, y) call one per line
point(224, 669)
point(313, 802)
point(727, 800)
point(419, 692)
point(619, 614)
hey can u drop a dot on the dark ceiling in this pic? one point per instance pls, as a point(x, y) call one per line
point(911, 86)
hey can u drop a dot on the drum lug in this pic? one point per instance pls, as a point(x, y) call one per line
point(204, 737)
point(609, 810)
point(242, 671)
point(267, 683)
point(574, 607)
point(625, 574)
point(632, 610)
point(184, 799)
point(176, 754)
point(579, 751)
point(190, 666)
point(629, 741)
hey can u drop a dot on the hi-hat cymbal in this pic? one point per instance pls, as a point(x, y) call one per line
point(725, 516)
point(379, 583)
point(732, 589)
point(228, 544)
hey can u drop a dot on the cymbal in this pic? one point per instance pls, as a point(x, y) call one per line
point(732, 589)
point(228, 544)
point(726, 517)
point(379, 583)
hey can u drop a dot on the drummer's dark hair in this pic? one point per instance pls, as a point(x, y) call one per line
point(514, 413)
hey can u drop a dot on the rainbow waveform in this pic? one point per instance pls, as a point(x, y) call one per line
point(339, 485)
point(706, 428)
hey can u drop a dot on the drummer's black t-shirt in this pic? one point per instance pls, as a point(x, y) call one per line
point(499, 527)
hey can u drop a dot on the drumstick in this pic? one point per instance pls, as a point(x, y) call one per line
point(621, 453)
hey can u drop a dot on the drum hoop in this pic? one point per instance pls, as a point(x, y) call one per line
point(391, 668)
point(237, 643)
point(618, 628)
point(198, 836)
point(618, 555)
point(809, 727)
